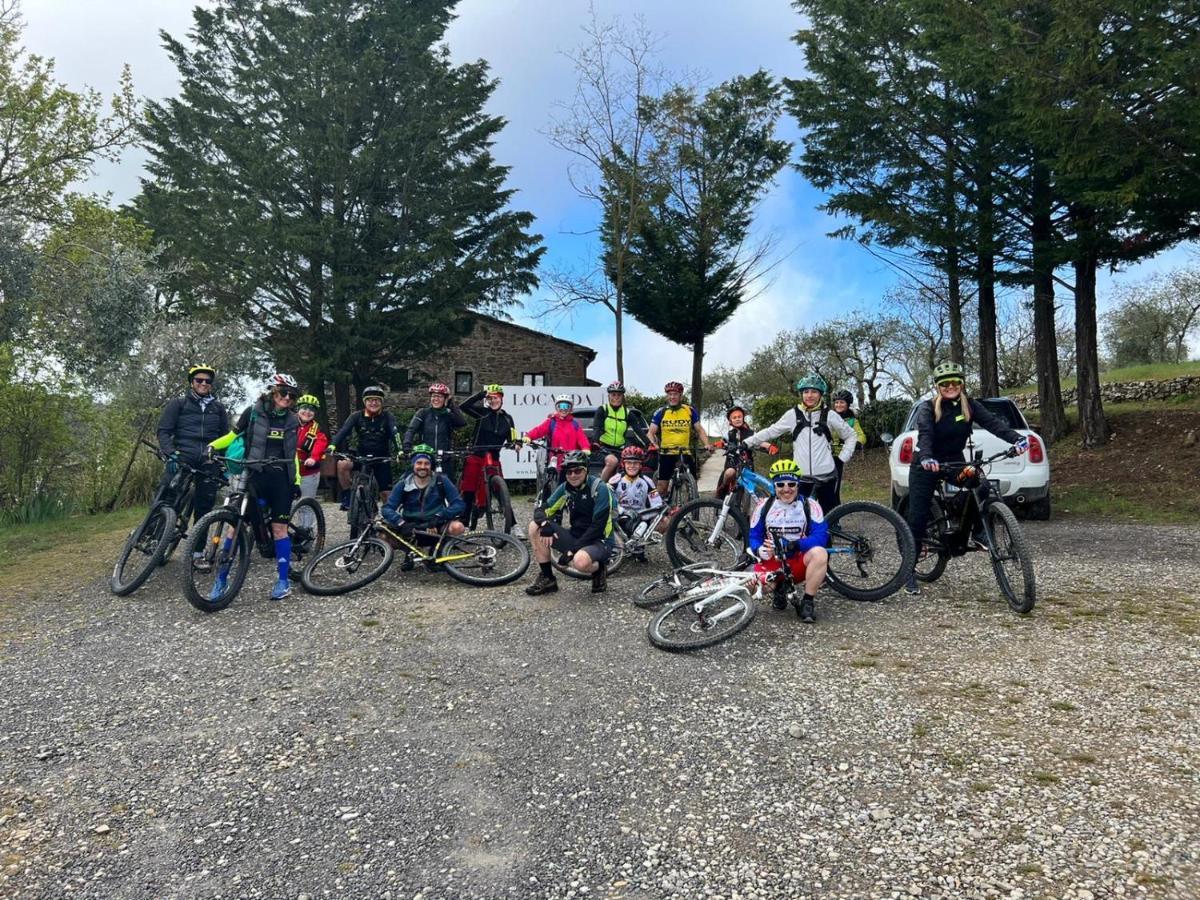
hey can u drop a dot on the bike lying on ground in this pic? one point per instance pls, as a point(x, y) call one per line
point(219, 544)
point(870, 547)
point(151, 544)
point(481, 558)
point(967, 514)
point(633, 536)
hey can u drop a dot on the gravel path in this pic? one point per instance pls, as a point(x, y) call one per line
point(422, 739)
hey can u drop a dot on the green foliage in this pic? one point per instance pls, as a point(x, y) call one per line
point(768, 410)
point(1152, 322)
point(326, 176)
point(883, 416)
point(646, 404)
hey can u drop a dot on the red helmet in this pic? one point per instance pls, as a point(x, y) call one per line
point(438, 388)
point(673, 386)
point(633, 453)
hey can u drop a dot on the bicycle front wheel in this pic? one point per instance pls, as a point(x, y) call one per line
point(870, 550)
point(1011, 559)
point(306, 528)
point(484, 558)
point(217, 560)
point(702, 532)
point(500, 515)
point(656, 593)
point(142, 551)
point(347, 567)
point(680, 627)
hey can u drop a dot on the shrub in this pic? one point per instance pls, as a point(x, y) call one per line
point(767, 410)
point(883, 415)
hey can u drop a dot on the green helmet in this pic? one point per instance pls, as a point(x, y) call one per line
point(947, 370)
point(813, 383)
point(308, 400)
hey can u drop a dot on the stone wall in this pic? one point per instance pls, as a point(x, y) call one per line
point(1125, 391)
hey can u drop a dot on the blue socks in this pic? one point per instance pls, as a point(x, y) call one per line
point(283, 556)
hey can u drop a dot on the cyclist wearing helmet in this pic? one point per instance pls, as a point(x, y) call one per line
point(634, 491)
point(311, 445)
point(671, 428)
point(812, 426)
point(494, 427)
point(610, 426)
point(944, 426)
point(842, 405)
point(789, 529)
point(588, 543)
point(738, 432)
point(186, 427)
point(271, 432)
point(434, 426)
point(374, 432)
point(423, 499)
point(561, 433)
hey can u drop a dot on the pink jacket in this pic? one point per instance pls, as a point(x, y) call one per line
point(568, 435)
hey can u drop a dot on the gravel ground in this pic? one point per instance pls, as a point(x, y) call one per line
point(423, 739)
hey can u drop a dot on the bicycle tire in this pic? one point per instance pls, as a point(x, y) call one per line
point(304, 544)
point(503, 506)
point(888, 543)
point(678, 627)
point(661, 590)
point(362, 510)
point(1021, 599)
point(235, 558)
point(931, 568)
point(687, 535)
point(149, 540)
point(488, 551)
point(183, 513)
point(371, 558)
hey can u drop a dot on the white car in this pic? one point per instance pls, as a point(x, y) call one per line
point(1023, 481)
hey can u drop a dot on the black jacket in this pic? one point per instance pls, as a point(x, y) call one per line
point(434, 427)
point(376, 435)
point(188, 426)
point(493, 428)
point(945, 440)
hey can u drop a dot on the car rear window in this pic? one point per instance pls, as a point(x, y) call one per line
point(1002, 407)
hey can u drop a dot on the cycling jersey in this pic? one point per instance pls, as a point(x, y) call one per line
point(634, 495)
point(375, 435)
point(801, 530)
point(590, 506)
point(611, 423)
point(561, 435)
point(493, 428)
point(434, 427)
point(675, 424)
point(945, 439)
point(269, 434)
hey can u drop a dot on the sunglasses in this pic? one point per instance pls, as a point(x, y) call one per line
point(202, 381)
point(564, 406)
point(288, 395)
point(951, 382)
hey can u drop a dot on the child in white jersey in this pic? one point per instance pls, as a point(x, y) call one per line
point(634, 491)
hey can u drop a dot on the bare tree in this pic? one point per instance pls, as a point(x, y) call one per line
point(603, 127)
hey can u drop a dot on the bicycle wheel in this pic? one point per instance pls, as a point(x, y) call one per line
point(363, 507)
point(685, 490)
point(656, 593)
point(485, 558)
point(183, 515)
point(217, 561)
point(143, 548)
point(680, 627)
point(870, 550)
point(929, 568)
point(1011, 559)
point(347, 567)
point(693, 535)
point(500, 516)
point(306, 528)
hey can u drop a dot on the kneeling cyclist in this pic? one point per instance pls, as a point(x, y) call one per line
point(789, 529)
point(424, 500)
point(589, 542)
point(635, 492)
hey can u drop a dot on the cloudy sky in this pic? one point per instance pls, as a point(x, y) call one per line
point(524, 41)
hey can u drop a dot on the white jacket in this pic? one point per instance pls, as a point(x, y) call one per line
point(811, 452)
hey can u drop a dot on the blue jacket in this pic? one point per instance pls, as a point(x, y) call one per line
point(438, 502)
point(801, 525)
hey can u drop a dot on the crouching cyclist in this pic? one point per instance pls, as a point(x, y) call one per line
point(789, 529)
point(588, 543)
point(424, 500)
point(635, 494)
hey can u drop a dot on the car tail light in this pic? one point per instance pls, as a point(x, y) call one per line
point(1036, 454)
point(906, 449)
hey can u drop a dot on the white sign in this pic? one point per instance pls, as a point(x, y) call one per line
point(531, 405)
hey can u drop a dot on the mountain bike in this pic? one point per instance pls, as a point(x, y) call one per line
point(364, 491)
point(967, 514)
point(482, 558)
point(870, 547)
point(681, 488)
point(151, 544)
point(219, 543)
point(633, 536)
point(492, 504)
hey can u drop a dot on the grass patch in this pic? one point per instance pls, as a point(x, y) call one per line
point(369, 623)
point(1064, 706)
point(863, 663)
point(920, 730)
point(1147, 372)
point(1084, 759)
point(1045, 778)
point(1030, 868)
point(1105, 501)
point(982, 787)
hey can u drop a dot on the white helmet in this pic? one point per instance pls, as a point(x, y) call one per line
point(280, 380)
point(564, 398)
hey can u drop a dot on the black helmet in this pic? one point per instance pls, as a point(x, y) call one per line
point(372, 391)
point(844, 395)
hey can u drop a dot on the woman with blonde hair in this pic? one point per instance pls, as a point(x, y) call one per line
point(943, 426)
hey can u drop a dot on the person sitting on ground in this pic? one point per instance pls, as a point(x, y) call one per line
point(423, 500)
point(610, 426)
point(434, 427)
point(635, 493)
point(311, 445)
point(494, 428)
point(374, 433)
point(789, 529)
point(588, 543)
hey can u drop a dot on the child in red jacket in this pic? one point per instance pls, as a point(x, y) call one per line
point(310, 445)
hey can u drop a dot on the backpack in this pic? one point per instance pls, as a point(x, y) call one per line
point(821, 428)
point(238, 447)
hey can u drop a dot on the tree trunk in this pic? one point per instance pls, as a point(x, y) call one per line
point(1053, 416)
point(958, 344)
point(618, 302)
point(116, 497)
point(1093, 424)
point(697, 373)
point(985, 279)
point(341, 400)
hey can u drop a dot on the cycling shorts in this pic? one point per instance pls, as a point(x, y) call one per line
point(668, 461)
point(795, 565)
point(382, 472)
point(565, 542)
point(274, 491)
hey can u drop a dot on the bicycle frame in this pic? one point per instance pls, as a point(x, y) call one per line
point(965, 506)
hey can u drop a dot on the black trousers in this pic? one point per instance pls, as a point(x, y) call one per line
point(921, 485)
point(826, 493)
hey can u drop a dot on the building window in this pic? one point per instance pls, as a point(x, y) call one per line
point(534, 379)
point(464, 383)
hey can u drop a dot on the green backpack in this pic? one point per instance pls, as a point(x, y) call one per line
point(237, 449)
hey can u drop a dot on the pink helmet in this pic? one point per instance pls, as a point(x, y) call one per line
point(438, 388)
point(673, 386)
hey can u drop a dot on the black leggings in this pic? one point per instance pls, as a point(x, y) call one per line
point(921, 485)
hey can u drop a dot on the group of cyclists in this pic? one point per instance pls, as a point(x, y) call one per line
point(637, 458)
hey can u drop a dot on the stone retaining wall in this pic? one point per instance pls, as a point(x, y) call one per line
point(1125, 391)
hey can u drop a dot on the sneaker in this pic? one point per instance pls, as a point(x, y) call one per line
point(407, 565)
point(600, 579)
point(218, 588)
point(779, 597)
point(201, 563)
point(545, 584)
point(805, 610)
point(282, 589)
point(910, 584)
